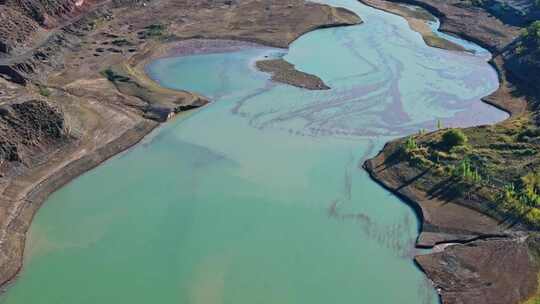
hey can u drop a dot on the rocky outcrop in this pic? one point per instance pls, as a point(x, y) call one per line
point(469, 22)
point(513, 12)
point(44, 12)
point(34, 20)
point(498, 270)
point(37, 62)
point(27, 130)
point(11, 74)
point(524, 64)
point(26, 29)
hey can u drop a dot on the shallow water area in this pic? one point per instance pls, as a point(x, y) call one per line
point(434, 23)
point(260, 197)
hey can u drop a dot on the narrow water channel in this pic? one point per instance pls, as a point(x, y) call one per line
point(260, 197)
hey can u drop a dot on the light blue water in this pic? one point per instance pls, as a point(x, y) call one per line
point(435, 25)
point(260, 197)
point(469, 46)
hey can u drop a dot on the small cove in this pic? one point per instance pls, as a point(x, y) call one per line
point(260, 197)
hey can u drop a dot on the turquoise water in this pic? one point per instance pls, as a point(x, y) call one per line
point(260, 196)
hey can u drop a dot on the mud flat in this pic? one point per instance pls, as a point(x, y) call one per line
point(281, 70)
point(284, 72)
point(418, 21)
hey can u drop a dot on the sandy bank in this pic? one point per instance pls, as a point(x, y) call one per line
point(285, 72)
point(418, 21)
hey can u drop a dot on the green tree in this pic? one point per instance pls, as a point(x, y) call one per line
point(410, 144)
point(453, 138)
point(531, 39)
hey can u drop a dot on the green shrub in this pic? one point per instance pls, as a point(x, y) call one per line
point(410, 144)
point(156, 30)
point(530, 185)
point(44, 91)
point(112, 76)
point(531, 38)
point(109, 74)
point(465, 171)
point(121, 42)
point(419, 161)
point(533, 30)
point(533, 216)
point(529, 133)
point(414, 153)
point(524, 152)
point(524, 196)
point(531, 180)
point(477, 2)
point(453, 138)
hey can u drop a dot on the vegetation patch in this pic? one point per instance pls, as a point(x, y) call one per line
point(453, 138)
point(121, 42)
point(113, 76)
point(497, 165)
point(530, 41)
point(43, 90)
point(153, 31)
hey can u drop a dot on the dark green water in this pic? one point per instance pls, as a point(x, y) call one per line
point(260, 197)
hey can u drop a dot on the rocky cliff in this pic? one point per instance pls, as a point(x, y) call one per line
point(28, 129)
point(513, 12)
point(27, 23)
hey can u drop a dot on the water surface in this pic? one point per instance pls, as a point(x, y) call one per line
point(260, 197)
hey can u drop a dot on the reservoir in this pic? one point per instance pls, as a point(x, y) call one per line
point(260, 197)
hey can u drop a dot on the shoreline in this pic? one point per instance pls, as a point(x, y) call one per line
point(39, 194)
point(35, 194)
point(417, 22)
point(479, 230)
point(492, 99)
